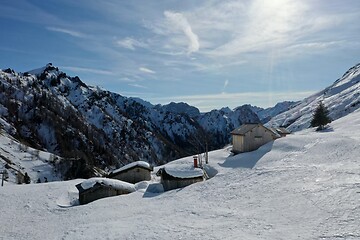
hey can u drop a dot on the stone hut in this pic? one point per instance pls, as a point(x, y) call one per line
point(173, 177)
point(96, 188)
point(133, 172)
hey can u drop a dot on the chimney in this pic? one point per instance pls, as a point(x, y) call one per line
point(195, 161)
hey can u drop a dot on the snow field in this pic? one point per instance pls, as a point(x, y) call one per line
point(303, 186)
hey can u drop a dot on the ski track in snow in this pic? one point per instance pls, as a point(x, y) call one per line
point(303, 186)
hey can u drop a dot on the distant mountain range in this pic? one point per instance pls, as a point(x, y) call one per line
point(94, 130)
point(48, 110)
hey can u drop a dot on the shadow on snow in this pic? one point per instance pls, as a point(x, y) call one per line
point(247, 159)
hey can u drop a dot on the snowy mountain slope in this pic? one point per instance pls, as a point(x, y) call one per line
point(16, 157)
point(341, 98)
point(180, 108)
point(219, 123)
point(266, 114)
point(303, 186)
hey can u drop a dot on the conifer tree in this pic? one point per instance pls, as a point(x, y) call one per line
point(320, 117)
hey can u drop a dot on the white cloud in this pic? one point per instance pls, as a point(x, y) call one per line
point(146, 70)
point(269, 24)
point(130, 43)
point(310, 47)
point(27, 11)
point(137, 85)
point(67, 31)
point(234, 28)
point(226, 83)
point(178, 21)
point(89, 70)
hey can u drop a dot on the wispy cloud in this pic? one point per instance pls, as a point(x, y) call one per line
point(268, 24)
point(312, 47)
point(88, 70)
point(179, 22)
point(67, 31)
point(146, 70)
point(226, 83)
point(318, 45)
point(126, 79)
point(27, 11)
point(236, 28)
point(137, 85)
point(130, 43)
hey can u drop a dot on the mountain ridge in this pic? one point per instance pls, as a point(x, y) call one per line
point(49, 110)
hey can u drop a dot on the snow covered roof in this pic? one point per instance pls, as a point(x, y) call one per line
point(275, 132)
point(132, 165)
point(183, 171)
point(116, 184)
point(282, 130)
point(245, 128)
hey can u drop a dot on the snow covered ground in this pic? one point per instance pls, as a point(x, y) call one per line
point(20, 157)
point(303, 186)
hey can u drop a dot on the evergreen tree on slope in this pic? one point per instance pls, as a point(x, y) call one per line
point(320, 117)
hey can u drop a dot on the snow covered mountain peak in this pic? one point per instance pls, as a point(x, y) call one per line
point(181, 107)
point(39, 71)
point(355, 70)
point(349, 79)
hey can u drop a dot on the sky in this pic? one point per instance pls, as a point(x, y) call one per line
point(209, 54)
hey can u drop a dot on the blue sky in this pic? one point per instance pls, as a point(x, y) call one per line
point(210, 54)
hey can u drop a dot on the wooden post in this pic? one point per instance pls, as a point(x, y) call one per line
point(206, 153)
point(2, 178)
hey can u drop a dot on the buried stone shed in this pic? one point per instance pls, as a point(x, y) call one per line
point(133, 173)
point(96, 188)
point(173, 177)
